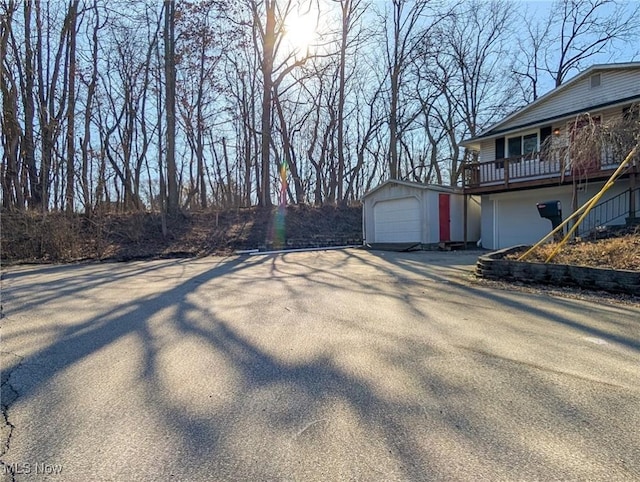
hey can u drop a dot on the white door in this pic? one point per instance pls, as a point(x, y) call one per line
point(397, 221)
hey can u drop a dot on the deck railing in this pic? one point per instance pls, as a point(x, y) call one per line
point(550, 164)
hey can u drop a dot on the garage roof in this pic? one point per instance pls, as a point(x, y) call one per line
point(416, 185)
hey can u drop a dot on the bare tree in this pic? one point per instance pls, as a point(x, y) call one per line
point(401, 41)
point(587, 28)
point(266, 34)
point(269, 17)
point(407, 28)
point(35, 73)
point(197, 65)
point(574, 32)
point(11, 131)
point(530, 55)
point(170, 99)
point(369, 119)
point(72, 18)
point(462, 88)
point(52, 81)
point(28, 92)
point(351, 12)
point(91, 83)
point(243, 89)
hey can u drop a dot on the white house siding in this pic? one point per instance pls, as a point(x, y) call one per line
point(456, 228)
point(606, 116)
point(487, 150)
point(565, 124)
point(609, 115)
point(487, 223)
point(432, 211)
point(615, 84)
point(474, 210)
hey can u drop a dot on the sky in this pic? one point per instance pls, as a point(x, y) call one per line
point(542, 8)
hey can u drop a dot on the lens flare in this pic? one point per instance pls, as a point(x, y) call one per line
point(279, 233)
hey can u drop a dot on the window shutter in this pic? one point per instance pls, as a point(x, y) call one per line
point(545, 133)
point(500, 148)
point(499, 152)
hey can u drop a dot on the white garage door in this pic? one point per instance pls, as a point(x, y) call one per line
point(397, 221)
point(519, 222)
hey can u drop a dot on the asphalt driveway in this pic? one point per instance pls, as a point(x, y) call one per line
point(337, 365)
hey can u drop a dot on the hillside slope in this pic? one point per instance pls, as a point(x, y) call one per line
point(55, 237)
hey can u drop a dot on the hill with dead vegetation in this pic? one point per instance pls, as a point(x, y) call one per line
point(55, 237)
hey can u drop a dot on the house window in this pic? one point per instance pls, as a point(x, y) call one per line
point(545, 142)
point(526, 145)
point(515, 146)
point(529, 145)
point(596, 80)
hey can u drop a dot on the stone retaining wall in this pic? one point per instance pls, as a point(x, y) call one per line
point(494, 266)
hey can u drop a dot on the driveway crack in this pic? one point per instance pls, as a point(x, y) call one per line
point(8, 395)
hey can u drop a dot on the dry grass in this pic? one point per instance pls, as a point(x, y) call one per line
point(56, 237)
point(615, 253)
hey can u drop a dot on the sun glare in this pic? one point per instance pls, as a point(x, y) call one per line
point(301, 32)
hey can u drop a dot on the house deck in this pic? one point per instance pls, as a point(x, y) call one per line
point(534, 171)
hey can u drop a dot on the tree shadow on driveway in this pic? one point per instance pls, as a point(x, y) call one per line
point(294, 367)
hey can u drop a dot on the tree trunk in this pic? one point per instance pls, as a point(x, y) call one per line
point(28, 143)
point(346, 12)
point(267, 91)
point(287, 149)
point(71, 105)
point(170, 99)
point(86, 158)
point(10, 127)
point(200, 175)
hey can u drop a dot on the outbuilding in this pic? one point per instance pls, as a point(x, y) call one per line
point(398, 212)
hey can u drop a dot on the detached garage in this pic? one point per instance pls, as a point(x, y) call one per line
point(406, 212)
